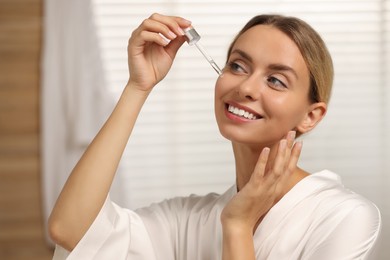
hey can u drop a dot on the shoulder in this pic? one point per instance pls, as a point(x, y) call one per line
point(352, 211)
point(329, 205)
point(332, 191)
point(326, 190)
point(342, 221)
point(343, 213)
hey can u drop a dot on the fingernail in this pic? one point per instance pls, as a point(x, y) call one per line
point(292, 134)
point(180, 31)
point(283, 143)
point(165, 38)
point(172, 35)
point(187, 21)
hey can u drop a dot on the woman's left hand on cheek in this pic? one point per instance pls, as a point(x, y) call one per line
point(266, 186)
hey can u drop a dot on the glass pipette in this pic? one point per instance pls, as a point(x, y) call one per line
point(193, 39)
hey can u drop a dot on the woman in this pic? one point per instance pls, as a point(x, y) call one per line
point(276, 84)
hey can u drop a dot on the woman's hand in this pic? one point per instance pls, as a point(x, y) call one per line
point(265, 186)
point(152, 49)
point(246, 209)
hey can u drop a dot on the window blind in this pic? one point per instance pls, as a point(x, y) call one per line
point(176, 149)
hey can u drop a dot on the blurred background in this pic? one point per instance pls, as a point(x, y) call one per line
point(21, 212)
point(63, 65)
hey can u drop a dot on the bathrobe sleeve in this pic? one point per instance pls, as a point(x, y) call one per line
point(353, 234)
point(116, 233)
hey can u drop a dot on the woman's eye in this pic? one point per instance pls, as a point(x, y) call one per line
point(276, 83)
point(235, 67)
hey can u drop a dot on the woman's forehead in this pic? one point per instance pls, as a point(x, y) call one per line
point(267, 38)
point(267, 44)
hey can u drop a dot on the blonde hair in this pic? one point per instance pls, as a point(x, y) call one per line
point(311, 46)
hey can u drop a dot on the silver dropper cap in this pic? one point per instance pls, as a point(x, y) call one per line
point(192, 35)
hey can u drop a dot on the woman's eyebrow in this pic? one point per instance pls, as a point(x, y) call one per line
point(275, 67)
point(282, 67)
point(242, 54)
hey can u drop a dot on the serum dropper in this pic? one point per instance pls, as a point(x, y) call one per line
point(193, 39)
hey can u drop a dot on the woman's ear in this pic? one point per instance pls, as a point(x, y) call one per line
point(314, 115)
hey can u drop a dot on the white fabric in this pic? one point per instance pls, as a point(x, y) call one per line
point(317, 219)
point(72, 91)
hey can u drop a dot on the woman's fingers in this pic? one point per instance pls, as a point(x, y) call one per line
point(266, 185)
point(152, 48)
point(281, 162)
point(277, 169)
point(290, 139)
point(174, 46)
point(261, 164)
point(174, 24)
point(152, 31)
point(147, 36)
point(285, 154)
point(295, 153)
point(160, 29)
point(286, 158)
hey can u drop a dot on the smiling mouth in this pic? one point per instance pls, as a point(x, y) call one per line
point(242, 113)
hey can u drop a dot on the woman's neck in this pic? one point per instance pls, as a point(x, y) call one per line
point(246, 158)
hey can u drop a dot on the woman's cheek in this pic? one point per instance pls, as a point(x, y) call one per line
point(222, 84)
point(218, 88)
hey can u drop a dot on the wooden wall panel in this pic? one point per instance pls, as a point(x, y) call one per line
point(21, 222)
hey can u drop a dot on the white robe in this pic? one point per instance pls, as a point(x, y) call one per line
point(318, 219)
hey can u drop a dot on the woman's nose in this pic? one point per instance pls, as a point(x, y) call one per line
point(250, 88)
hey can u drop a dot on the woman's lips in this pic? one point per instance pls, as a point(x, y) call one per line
point(242, 112)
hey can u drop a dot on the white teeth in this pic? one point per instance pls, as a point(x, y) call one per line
point(241, 112)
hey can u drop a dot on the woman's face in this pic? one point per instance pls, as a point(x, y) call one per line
point(263, 91)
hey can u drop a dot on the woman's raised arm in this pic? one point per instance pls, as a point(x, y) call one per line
point(150, 56)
